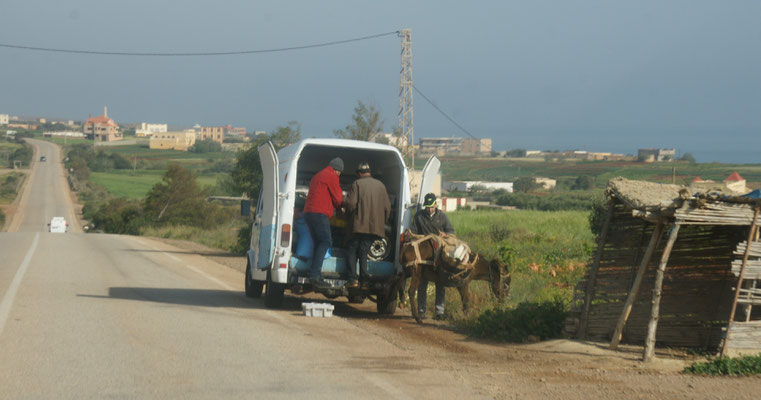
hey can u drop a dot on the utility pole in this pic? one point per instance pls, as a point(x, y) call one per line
point(405, 97)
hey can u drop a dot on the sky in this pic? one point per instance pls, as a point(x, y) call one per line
point(594, 75)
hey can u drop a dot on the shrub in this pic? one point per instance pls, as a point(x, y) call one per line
point(549, 201)
point(541, 320)
point(745, 365)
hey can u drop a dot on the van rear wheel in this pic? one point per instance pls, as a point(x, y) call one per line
point(253, 288)
point(273, 293)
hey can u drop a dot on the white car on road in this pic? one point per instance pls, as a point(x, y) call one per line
point(58, 225)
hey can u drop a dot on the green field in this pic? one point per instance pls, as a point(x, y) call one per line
point(61, 141)
point(125, 183)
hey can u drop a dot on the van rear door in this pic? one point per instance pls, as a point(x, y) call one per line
point(428, 178)
point(268, 204)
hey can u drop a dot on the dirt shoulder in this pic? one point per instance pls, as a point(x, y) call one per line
point(562, 368)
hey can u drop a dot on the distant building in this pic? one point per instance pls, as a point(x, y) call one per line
point(534, 153)
point(736, 183)
point(546, 183)
point(259, 133)
point(440, 146)
point(443, 146)
point(476, 146)
point(651, 155)
point(173, 140)
point(4, 119)
point(467, 186)
point(43, 120)
point(22, 125)
point(146, 129)
point(235, 131)
point(102, 128)
point(215, 133)
point(448, 204)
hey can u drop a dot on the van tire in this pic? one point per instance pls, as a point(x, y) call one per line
point(386, 304)
point(273, 293)
point(253, 288)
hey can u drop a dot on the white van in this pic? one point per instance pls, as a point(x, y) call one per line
point(58, 225)
point(272, 258)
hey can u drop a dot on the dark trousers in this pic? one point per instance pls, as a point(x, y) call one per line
point(319, 227)
point(359, 245)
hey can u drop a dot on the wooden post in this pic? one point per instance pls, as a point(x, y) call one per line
point(654, 239)
point(751, 234)
point(589, 294)
point(652, 326)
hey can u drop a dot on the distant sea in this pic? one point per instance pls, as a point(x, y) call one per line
point(727, 156)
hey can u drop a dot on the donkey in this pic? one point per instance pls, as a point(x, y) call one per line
point(419, 258)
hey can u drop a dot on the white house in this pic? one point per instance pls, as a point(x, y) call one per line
point(147, 129)
point(466, 186)
point(3, 119)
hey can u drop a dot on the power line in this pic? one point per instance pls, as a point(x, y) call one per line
point(216, 53)
point(442, 112)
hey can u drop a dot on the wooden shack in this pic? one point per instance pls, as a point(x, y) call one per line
point(665, 270)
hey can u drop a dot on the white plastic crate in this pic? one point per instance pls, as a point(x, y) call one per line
point(321, 310)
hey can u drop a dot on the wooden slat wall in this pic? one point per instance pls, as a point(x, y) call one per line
point(745, 335)
point(697, 292)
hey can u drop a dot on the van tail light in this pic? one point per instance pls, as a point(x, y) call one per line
point(285, 235)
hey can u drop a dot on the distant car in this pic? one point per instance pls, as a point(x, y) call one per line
point(58, 225)
point(43, 158)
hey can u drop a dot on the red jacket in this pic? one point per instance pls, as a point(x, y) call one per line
point(324, 193)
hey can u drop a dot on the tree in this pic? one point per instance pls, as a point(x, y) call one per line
point(688, 157)
point(247, 173)
point(206, 146)
point(525, 184)
point(516, 153)
point(366, 122)
point(177, 199)
point(584, 182)
point(286, 135)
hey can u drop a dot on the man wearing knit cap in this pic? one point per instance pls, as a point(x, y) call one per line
point(323, 198)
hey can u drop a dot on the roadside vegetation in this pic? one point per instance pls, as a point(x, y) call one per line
point(547, 254)
point(14, 151)
point(734, 366)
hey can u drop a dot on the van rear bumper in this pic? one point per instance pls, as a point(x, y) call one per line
point(336, 266)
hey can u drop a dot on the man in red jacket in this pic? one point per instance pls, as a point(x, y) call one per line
point(323, 198)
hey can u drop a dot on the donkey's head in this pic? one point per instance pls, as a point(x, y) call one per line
point(500, 279)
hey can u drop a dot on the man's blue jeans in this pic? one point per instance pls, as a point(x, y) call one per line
point(319, 227)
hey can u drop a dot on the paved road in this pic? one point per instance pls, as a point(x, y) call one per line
point(110, 316)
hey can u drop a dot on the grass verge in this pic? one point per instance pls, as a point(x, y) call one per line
point(222, 237)
point(734, 366)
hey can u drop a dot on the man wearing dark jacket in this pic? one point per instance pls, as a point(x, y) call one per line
point(431, 221)
point(323, 198)
point(367, 203)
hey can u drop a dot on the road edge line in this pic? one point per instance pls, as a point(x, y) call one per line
point(10, 295)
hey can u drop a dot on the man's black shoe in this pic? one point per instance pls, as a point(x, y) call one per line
point(352, 284)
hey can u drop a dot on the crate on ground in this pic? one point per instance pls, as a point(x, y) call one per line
point(317, 309)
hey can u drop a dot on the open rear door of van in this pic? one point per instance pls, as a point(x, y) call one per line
point(428, 178)
point(269, 215)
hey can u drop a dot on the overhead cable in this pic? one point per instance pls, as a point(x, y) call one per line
point(442, 112)
point(190, 54)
